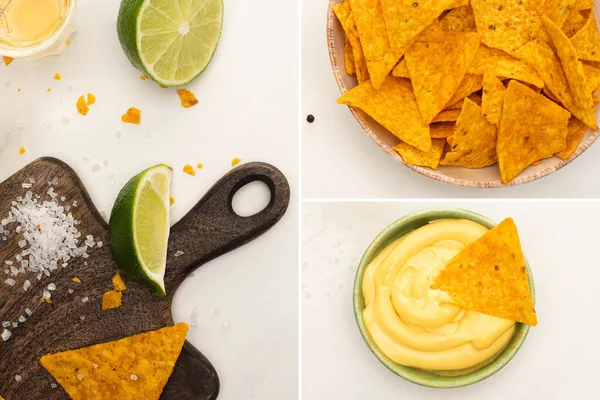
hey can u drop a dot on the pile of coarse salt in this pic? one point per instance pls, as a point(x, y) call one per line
point(49, 238)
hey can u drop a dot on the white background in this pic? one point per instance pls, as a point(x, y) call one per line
point(247, 108)
point(557, 361)
point(341, 161)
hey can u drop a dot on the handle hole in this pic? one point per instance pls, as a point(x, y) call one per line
point(251, 199)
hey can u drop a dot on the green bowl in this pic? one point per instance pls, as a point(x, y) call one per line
point(434, 379)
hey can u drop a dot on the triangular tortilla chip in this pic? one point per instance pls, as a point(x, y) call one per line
point(437, 69)
point(344, 15)
point(460, 19)
point(414, 156)
point(474, 140)
point(572, 67)
point(469, 85)
point(137, 367)
point(490, 276)
point(532, 128)
point(507, 24)
point(405, 19)
point(592, 79)
point(558, 10)
point(577, 131)
point(349, 58)
point(547, 65)
point(587, 40)
point(400, 70)
point(501, 64)
point(493, 98)
point(372, 31)
point(393, 106)
point(442, 130)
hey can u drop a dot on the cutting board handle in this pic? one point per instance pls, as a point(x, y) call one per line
point(213, 228)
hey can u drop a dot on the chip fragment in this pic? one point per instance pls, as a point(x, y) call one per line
point(474, 140)
point(532, 128)
point(132, 116)
point(587, 40)
point(490, 276)
point(7, 60)
point(82, 106)
point(437, 70)
point(112, 299)
point(400, 70)
point(188, 99)
point(104, 371)
point(414, 156)
point(118, 282)
point(394, 106)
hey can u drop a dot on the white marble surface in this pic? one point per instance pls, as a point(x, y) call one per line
point(341, 161)
point(559, 356)
point(247, 108)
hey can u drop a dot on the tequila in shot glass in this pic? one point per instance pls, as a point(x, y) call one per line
point(35, 28)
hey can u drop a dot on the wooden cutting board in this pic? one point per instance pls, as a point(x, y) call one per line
point(210, 229)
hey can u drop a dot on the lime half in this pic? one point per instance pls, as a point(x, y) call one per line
point(139, 227)
point(171, 41)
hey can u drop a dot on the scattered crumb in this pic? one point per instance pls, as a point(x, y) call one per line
point(22, 150)
point(171, 200)
point(49, 90)
point(132, 116)
point(82, 107)
point(7, 60)
point(19, 89)
point(200, 166)
point(57, 76)
point(68, 42)
point(235, 161)
point(118, 282)
point(188, 99)
point(112, 299)
point(163, 87)
point(143, 77)
point(43, 300)
point(91, 99)
point(76, 280)
point(188, 169)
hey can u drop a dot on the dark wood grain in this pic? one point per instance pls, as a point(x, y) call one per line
point(210, 229)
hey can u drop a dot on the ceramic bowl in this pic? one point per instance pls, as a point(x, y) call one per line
point(480, 178)
point(434, 379)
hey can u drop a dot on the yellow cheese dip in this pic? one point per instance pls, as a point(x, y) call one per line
point(417, 326)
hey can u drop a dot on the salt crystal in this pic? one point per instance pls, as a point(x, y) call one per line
point(68, 88)
point(51, 286)
point(119, 134)
point(55, 180)
point(99, 244)
point(10, 282)
point(22, 319)
point(133, 377)
point(5, 335)
point(8, 262)
point(105, 162)
point(226, 323)
point(95, 365)
point(53, 385)
point(22, 243)
point(15, 324)
point(85, 299)
point(26, 285)
point(47, 124)
point(31, 180)
point(28, 312)
point(18, 378)
point(26, 185)
point(46, 294)
point(178, 253)
point(6, 324)
point(80, 377)
point(85, 158)
point(96, 167)
point(82, 317)
point(65, 119)
point(70, 291)
point(194, 324)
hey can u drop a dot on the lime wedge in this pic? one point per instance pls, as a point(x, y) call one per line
point(139, 227)
point(171, 41)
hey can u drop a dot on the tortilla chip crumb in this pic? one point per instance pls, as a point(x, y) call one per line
point(143, 77)
point(235, 161)
point(171, 200)
point(49, 90)
point(188, 99)
point(43, 300)
point(76, 280)
point(112, 299)
point(19, 89)
point(91, 99)
point(118, 282)
point(188, 169)
point(162, 87)
point(132, 116)
point(200, 166)
point(7, 60)
point(68, 42)
point(57, 76)
point(82, 106)
point(22, 150)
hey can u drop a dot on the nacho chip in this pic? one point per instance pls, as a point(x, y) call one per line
point(447, 115)
point(547, 65)
point(349, 58)
point(501, 64)
point(587, 40)
point(575, 21)
point(474, 140)
point(577, 131)
point(469, 85)
point(118, 282)
point(507, 24)
point(572, 67)
point(442, 130)
point(137, 367)
point(437, 69)
point(400, 70)
point(380, 57)
point(490, 276)
point(460, 19)
point(584, 4)
point(493, 98)
point(532, 128)
point(394, 106)
point(405, 19)
point(558, 10)
point(433, 33)
point(112, 299)
point(344, 15)
point(414, 156)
